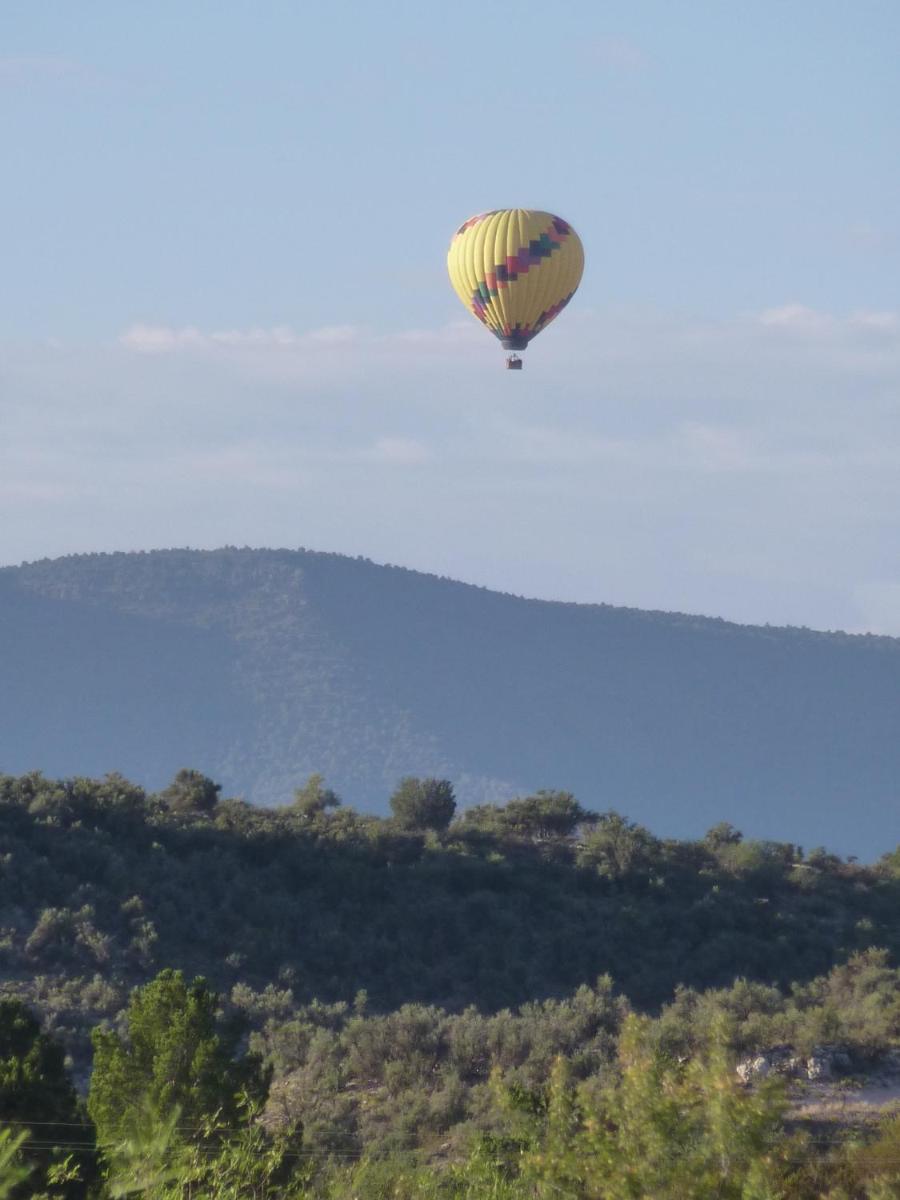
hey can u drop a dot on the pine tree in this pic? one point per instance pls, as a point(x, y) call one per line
point(174, 1055)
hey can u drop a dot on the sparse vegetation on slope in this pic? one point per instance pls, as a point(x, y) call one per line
point(433, 1004)
point(102, 885)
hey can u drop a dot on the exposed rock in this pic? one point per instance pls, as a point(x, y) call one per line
point(753, 1068)
point(823, 1063)
point(774, 1060)
point(819, 1066)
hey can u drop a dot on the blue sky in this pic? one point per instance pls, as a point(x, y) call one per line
point(225, 315)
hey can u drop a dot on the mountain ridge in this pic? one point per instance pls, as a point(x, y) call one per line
point(262, 666)
point(674, 613)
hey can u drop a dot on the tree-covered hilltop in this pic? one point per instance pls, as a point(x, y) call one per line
point(263, 666)
point(101, 885)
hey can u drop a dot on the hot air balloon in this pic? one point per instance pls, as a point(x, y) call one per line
point(515, 269)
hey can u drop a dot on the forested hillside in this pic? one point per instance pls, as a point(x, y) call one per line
point(261, 667)
point(102, 885)
point(509, 1003)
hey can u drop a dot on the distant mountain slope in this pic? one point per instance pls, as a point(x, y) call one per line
point(261, 666)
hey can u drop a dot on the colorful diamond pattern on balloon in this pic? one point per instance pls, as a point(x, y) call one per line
point(519, 263)
point(549, 313)
point(475, 221)
point(533, 254)
point(479, 306)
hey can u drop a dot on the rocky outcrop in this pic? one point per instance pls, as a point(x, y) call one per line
point(824, 1062)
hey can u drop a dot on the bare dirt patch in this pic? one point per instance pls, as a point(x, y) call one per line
point(852, 1101)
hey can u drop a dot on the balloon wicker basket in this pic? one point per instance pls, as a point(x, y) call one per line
point(514, 363)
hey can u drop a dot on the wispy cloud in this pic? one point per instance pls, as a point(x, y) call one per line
point(29, 69)
point(690, 448)
point(796, 317)
point(883, 322)
point(641, 457)
point(165, 339)
point(800, 318)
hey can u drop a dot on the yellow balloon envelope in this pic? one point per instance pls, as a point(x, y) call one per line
point(515, 269)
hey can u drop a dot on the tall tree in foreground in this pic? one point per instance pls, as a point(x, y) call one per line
point(217, 1160)
point(652, 1127)
point(174, 1055)
point(13, 1172)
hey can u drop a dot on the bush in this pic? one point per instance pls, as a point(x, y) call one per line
point(191, 792)
point(423, 803)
